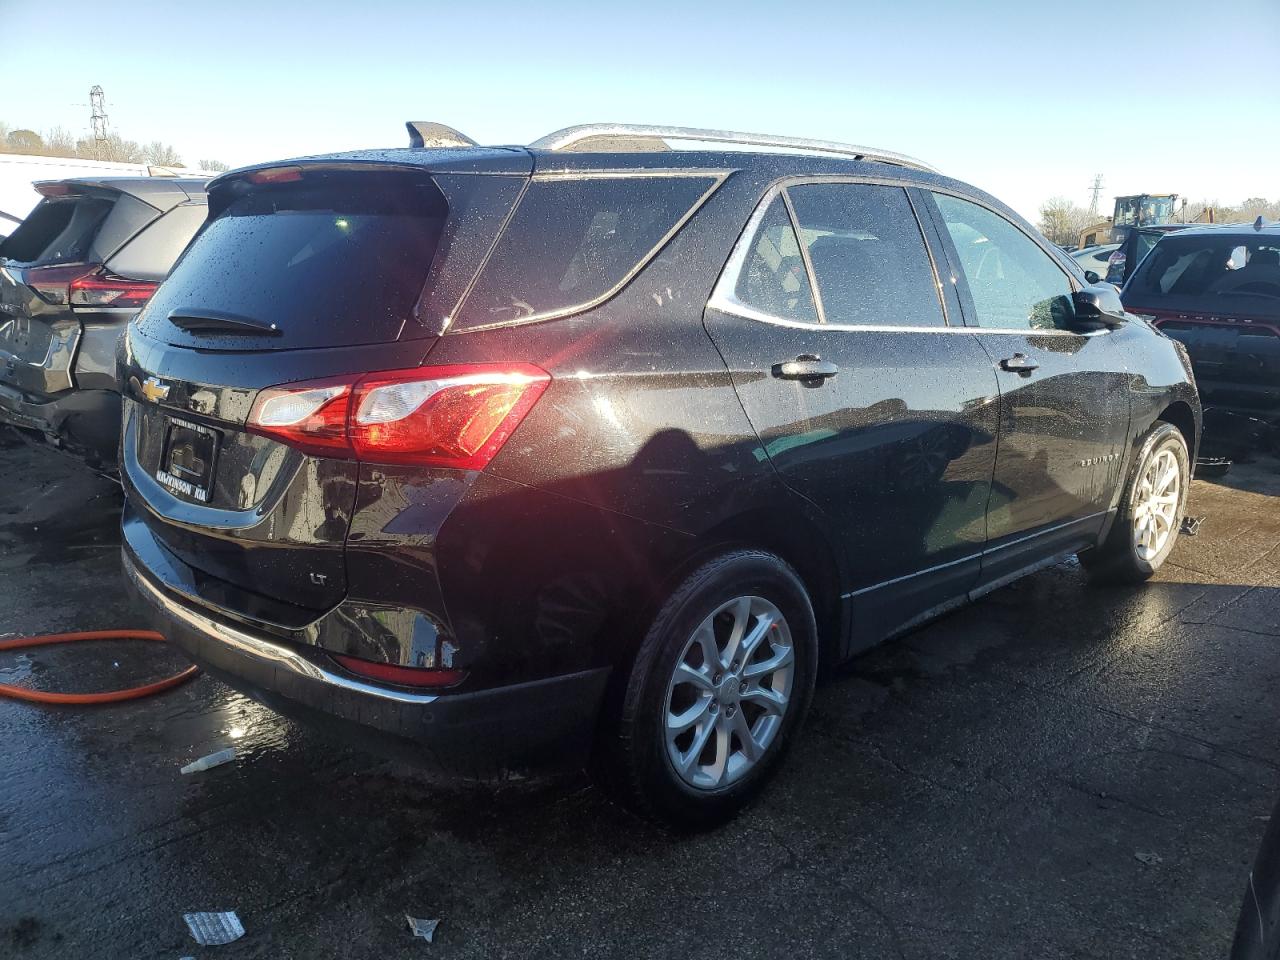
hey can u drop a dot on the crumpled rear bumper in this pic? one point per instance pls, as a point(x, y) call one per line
point(83, 422)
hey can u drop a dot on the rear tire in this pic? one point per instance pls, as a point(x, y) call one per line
point(719, 687)
point(1150, 513)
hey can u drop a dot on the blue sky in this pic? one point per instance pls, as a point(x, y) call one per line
point(1025, 99)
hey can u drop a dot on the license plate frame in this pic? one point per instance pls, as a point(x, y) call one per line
point(189, 459)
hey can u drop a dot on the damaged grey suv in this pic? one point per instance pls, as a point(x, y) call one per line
point(74, 271)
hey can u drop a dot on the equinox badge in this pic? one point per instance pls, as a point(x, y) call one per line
point(154, 390)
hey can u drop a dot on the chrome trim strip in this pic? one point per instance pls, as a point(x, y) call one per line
point(911, 576)
point(812, 274)
point(985, 551)
point(580, 137)
point(262, 650)
point(1041, 533)
point(724, 298)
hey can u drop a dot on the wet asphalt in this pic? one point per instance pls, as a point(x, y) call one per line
point(1056, 771)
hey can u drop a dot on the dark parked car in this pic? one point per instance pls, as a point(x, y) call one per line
point(506, 454)
point(71, 275)
point(1137, 243)
point(1217, 290)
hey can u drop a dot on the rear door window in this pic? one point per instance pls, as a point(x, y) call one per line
point(773, 278)
point(333, 258)
point(868, 255)
point(573, 241)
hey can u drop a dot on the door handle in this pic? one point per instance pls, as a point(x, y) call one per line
point(807, 368)
point(1019, 363)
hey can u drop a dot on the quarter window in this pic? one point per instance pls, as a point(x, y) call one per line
point(1014, 284)
point(574, 240)
point(773, 279)
point(868, 255)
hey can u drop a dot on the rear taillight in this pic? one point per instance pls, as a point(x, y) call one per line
point(404, 676)
point(53, 284)
point(76, 285)
point(104, 290)
point(448, 416)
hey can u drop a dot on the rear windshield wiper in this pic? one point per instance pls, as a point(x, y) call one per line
point(210, 321)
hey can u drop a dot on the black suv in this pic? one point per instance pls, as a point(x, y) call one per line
point(508, 453)
point(1217, 290)
point(71, 275)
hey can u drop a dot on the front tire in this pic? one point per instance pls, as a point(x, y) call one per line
point(719, 687)
point(1150, 514)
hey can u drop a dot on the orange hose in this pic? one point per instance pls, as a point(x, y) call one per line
point(111, 696)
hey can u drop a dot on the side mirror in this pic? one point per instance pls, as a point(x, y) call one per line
point(1098, 307)
point(1092, 277)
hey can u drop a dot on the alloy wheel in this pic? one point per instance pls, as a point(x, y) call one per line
point(1156, 504)
point(729, 693)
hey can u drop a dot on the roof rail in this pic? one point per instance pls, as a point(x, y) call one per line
point(641, 137)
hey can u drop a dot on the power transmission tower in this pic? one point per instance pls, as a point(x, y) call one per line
point(97, 102)
point(1096, 190)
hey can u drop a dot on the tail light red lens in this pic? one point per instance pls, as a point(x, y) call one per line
point(104, 290)
point(53, 284)
point(74, 285)
point(404, 676)
point(448, 416)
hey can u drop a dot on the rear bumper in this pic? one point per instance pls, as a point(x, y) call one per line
point(540, 723)
point(83, 422)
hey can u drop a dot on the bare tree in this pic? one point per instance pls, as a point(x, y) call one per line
point(161, 154)
point(59, 142)
point(215, 166)
point(1061, 221)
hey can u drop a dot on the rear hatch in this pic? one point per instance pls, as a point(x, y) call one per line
point(1219, 294)
point(59, 271)
point(38, 328)
point(309, 271)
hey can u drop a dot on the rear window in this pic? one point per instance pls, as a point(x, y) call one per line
point(1215, 274)
point(573, 241)
point(336, 258)
point(58, 230)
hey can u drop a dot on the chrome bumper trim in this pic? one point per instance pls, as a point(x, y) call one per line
point(258, 649)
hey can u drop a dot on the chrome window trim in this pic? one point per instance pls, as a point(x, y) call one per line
point(724, 299)
point(717, 177)
point(810, 273)
point(724, 295)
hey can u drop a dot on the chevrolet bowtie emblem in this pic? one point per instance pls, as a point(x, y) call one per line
point(154, 390)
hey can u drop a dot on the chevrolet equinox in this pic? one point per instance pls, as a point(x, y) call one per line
point(601, 448)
